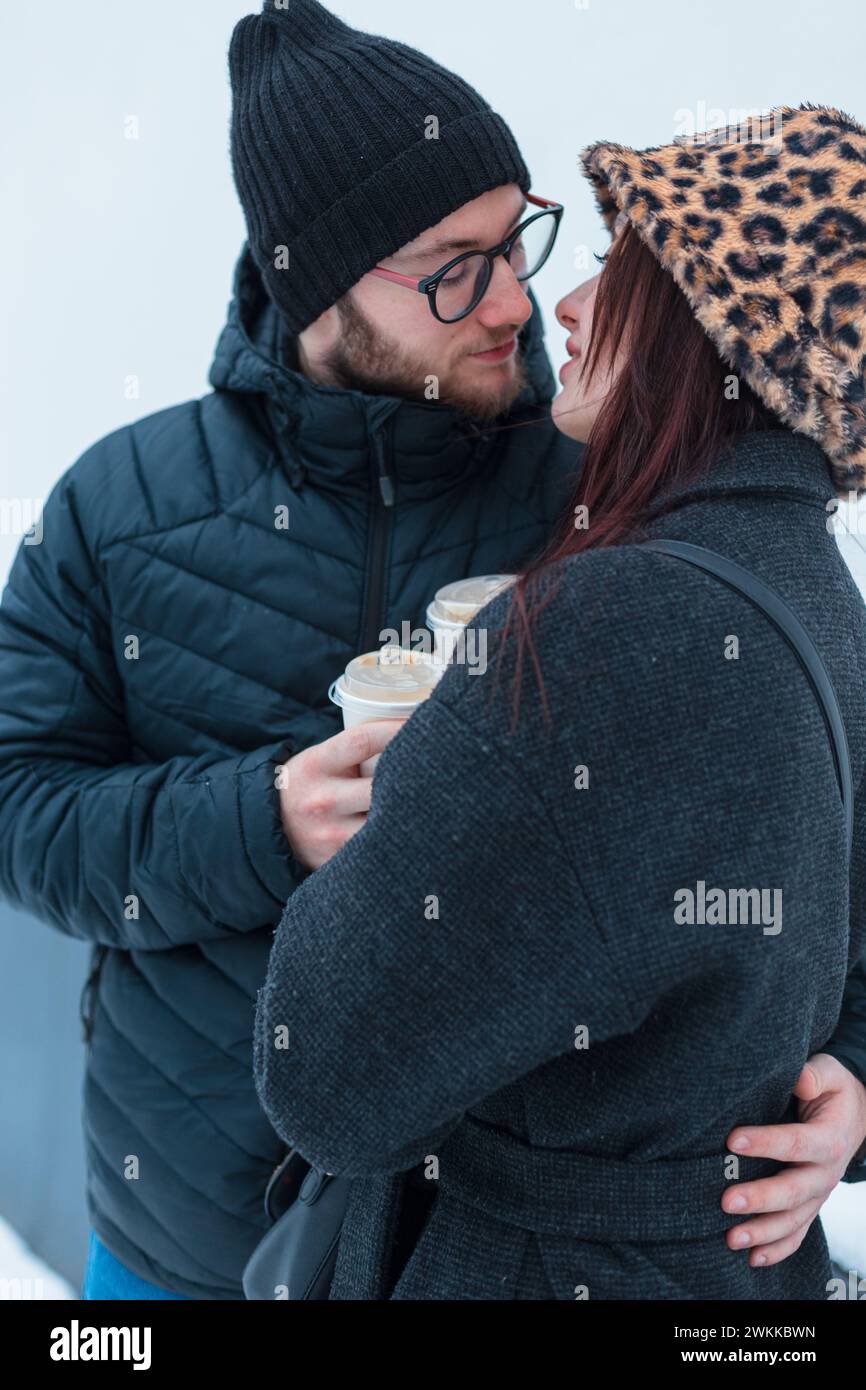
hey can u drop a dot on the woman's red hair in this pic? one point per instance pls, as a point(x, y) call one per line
point(670, 411)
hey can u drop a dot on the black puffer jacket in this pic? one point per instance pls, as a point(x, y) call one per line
point(161, 651)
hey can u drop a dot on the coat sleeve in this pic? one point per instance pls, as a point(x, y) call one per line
point(409, 976)
point(848, 1043)
point(105, 848)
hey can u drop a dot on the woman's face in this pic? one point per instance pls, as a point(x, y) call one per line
point(576, 408)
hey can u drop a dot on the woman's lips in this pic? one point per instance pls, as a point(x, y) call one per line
point(566, 366)
point(500, 354)
point(572, 347)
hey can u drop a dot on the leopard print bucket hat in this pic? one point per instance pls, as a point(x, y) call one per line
point(766, 237)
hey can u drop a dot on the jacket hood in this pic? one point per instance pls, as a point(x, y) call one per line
point(252, 358)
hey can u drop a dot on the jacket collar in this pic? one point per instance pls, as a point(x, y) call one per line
point(326, 433)
point(774, 462)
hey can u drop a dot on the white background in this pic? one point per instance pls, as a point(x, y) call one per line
point(119, 253)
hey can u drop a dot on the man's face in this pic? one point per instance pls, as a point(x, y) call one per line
point(383, 339)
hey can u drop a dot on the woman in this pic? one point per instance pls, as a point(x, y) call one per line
point(510, 975)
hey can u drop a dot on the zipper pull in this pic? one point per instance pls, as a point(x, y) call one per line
point(386, 480)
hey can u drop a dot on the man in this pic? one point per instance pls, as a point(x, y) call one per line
point(170, 766)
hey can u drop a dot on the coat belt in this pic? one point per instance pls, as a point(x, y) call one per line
point(561, 1192)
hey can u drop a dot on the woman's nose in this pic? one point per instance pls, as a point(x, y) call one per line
point(567, 311)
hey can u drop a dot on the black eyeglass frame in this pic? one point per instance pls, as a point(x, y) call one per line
point(429, 284)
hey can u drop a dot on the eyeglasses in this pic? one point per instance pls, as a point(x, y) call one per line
point(459, 287)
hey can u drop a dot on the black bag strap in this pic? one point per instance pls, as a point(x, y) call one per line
point(786, 622)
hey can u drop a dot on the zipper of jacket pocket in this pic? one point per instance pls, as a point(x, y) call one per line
point(383, 499)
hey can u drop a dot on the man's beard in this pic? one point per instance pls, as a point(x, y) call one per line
point(366, 361)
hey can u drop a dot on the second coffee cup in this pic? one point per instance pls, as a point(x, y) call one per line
point(455, 605)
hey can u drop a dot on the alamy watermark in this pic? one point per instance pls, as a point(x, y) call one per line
point(77, 1343)
point(18, 1290)
point(465, 647)
point(719, 907)
point(704, 125)
point(22, 516)
point(853, 522)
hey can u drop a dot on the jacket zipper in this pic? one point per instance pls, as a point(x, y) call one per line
point(384, 497)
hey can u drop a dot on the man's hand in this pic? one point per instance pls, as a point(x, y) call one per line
point(832, 1129)
point(324, 795)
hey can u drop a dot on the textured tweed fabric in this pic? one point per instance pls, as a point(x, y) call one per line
point(436, 974)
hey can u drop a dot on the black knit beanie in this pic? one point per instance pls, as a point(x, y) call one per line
point(332, 151)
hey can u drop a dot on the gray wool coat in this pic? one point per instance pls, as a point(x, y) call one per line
point(497, 983)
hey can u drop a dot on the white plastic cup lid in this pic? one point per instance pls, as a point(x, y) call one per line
point(394, 675)
point(457, 603)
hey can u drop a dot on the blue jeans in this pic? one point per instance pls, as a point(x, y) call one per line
point(106, 1277)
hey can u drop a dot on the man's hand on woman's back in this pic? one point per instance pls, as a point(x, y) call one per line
point(831, 1131)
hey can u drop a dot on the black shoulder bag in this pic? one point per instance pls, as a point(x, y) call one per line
point(297, 1257)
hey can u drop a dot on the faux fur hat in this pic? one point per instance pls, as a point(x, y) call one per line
point(764, 231)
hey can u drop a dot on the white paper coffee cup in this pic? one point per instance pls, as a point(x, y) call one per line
point(455, 605)
point(388, 684)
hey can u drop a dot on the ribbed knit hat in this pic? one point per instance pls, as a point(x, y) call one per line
point(766, 237)
point(334, 155)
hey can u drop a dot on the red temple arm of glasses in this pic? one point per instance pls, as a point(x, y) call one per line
point(412, 281)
